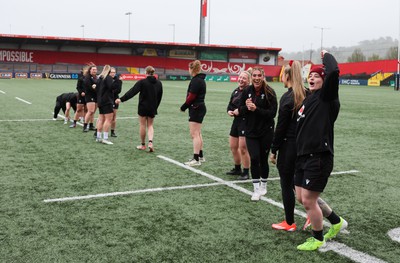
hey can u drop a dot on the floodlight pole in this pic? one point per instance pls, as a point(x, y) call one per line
point(322, 33)
point(397, 79)
point(173, 32)
point(129, 24)
point(83, 31)
point(209, 20)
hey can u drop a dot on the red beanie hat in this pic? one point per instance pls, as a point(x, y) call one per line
point(319, 70)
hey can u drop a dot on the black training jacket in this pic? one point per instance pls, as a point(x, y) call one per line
point(260, 121)
point(79, 84)
point(104, 89)
point(316, 118)
point(151, 92)
point(287, 121)
point(197, 86)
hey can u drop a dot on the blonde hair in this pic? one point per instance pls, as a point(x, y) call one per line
point(296, 80)
point(106, 71)
point(248, 73)
point(150, 70)
point(195, 67)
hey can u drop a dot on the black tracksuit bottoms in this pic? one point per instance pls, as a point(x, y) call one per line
point(258, 150)
point(286, 167)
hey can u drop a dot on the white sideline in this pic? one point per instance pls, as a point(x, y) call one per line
point(72, 198)
point(239, 188)
point(23, 120)
point(394, 234)
point(350, 253)
point(27, 102)
point(339, 248)
point(2, 92)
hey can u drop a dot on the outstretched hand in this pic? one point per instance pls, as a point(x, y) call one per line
point(323, 52)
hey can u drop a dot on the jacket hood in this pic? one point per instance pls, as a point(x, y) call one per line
point(200, 75)
point(152, 79)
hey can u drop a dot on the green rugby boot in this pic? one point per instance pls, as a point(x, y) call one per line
point(311, 244)
point(335, 229)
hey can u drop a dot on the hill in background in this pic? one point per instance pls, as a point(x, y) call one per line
point(375, 49)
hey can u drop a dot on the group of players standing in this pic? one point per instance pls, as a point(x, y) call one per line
point(93, 92)
point(301, 144)
point(102, 92)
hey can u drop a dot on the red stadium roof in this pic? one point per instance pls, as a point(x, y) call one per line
point(29, 39)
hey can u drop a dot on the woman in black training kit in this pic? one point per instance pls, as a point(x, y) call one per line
point(259, 106)
point(284, 141)
point(314, 145)
point(237, 135)
point(195, 96)
point(150, 92)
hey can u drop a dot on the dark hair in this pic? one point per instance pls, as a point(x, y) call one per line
point(267, 89)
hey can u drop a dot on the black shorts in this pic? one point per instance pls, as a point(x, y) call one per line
point(81, 100)
point(197, 112)
point(146, 113)
point(106, 109)
point(115, 106)
point(238, 127)
point(313, 171)
point(89, 98)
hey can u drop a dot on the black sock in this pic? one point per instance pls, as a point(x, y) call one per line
point(246, 170)
point(74, 121)
point(143, 144)
point(196, 157)
point(237, 167)
point(112, 131)
point(318, 235)
point(201, 153)
point(84, 125)
point(151, 141)
point(90, 125)
point(333, 218)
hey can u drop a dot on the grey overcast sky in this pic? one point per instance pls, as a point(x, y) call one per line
point(287, 24)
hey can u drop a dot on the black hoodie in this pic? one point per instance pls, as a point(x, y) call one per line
point(316, 118)
point(151, 92)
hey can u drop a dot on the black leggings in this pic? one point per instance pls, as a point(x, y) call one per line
point(58, 107)
point(286, 167)
point(258, 150)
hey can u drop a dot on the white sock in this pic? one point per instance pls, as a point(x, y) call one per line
point(105, 135)
point(256, 185)
point(264, 183)
point(98, 135)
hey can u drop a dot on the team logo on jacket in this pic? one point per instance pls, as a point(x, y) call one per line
point(262, 96)
point(300, 113)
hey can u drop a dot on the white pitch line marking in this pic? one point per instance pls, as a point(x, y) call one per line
point(233, 185)
point(350, 253)
point(72, 198)
point(339, 248)
point(25, 120)
point(345, 172)
point(394, 234)
point(62, 116)
point(2, 92)
point(24, 101)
